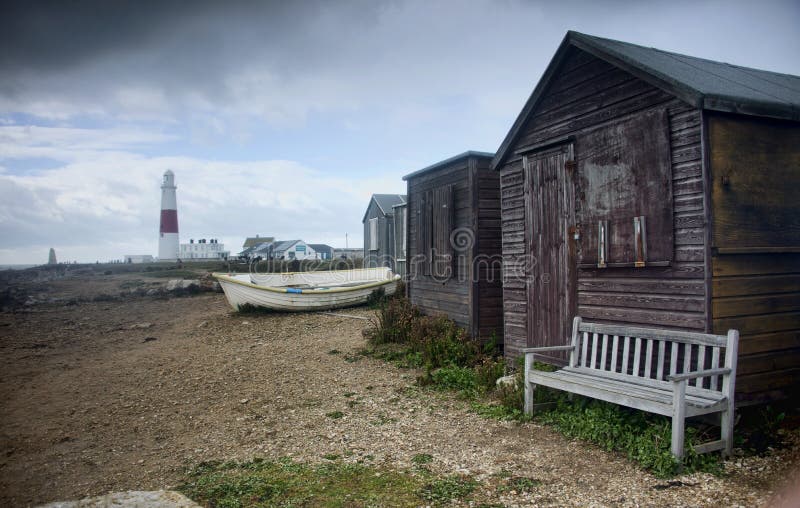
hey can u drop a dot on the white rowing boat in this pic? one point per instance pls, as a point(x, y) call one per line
point(306, 291)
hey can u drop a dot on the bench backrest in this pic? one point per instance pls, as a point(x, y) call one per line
point(653, 354)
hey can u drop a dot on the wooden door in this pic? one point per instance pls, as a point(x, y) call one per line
point(550, 221)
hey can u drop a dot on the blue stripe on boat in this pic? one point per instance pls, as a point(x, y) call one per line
point(293, 290)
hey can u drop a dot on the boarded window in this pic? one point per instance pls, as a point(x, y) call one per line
point(625, 172)
point(434, 225)
point(373, 234)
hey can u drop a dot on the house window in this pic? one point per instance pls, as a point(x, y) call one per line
point(373, 234)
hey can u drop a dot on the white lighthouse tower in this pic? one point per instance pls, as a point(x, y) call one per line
point(168, 239)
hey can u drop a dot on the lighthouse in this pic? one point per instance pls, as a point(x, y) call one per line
point(168, 239)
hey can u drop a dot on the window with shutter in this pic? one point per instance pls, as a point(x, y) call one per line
point(442, 220)
point(373, 234)
point(624, 181)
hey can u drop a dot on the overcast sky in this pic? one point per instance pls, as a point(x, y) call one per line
point(282, 118)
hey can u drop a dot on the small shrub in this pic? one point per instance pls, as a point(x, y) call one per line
point(377, 298)
point(488, 371)
point(394, 322)
point(335, 415)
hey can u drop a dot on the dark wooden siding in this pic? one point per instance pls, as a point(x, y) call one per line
point(755, 286)
point(588, 94)
point(450, 296)
point(472, 296)
point(487, 260)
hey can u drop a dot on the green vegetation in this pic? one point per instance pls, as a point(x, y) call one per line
point(643, 437)
point(287, 483)
point(422, 458)
point(451, 360)
point(442, 490)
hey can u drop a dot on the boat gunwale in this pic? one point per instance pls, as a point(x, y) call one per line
point(275, 289)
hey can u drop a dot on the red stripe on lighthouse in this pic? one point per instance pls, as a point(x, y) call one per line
point(169, 221)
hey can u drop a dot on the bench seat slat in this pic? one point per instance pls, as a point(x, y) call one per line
point(702, 396)
point(619, 392)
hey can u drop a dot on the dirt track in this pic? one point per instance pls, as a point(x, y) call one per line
point(126, 394)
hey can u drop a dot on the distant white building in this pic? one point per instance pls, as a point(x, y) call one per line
point(293, 249)
point(203, 250)
point(138, 258)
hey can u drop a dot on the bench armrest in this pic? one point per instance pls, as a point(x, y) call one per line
point(546, 348)
point(698, 373)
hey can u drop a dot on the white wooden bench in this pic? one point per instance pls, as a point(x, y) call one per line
point(672, 373)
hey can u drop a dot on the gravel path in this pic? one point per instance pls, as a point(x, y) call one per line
point(125, 395)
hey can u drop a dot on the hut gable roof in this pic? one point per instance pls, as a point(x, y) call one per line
point(706, 84)
point(385, 203)
point(451, 160)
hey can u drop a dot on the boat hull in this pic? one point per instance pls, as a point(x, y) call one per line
point(239, 291)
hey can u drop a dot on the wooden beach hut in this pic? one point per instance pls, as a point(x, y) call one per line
point(650, 188)
point(454, 243)
point(379, 232)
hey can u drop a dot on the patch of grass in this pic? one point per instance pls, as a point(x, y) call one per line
point(262, 483)
point(331, 456)
point(352, 358)
point(422, 458)
point(496, 411)
point(335, 415)
point(334, 352)
point(444, 490)
point(522, 484)
point(382, 419)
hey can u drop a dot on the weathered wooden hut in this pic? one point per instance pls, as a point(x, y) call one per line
point(379, 230)
point(454, 243)
point(645, 187)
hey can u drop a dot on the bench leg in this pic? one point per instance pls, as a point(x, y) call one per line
point(678, 418)
point(528, 409)
point(726, 423)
